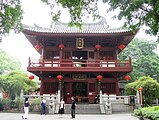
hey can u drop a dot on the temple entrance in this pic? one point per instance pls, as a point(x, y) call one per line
point(80, 55)
point(79, 91)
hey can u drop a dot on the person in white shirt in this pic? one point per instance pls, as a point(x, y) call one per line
point(26, 108)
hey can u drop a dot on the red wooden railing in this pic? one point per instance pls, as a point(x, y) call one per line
point(81, 63)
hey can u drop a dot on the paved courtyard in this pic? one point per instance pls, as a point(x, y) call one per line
point(17, 116)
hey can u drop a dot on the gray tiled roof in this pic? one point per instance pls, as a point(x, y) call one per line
point(58, 27)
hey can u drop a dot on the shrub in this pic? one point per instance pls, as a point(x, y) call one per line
point(6, 104)
point(151, 113)
point(35, 105)
point(19, 103)
point(13, 104)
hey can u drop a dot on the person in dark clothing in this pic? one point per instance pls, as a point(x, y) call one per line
point(61, 107)
point(97, 100)
point(43, 107)
point(73, 107)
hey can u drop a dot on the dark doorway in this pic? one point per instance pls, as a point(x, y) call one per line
point(79, 89)
point(82, 55)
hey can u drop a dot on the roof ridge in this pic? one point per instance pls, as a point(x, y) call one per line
point(102, 21)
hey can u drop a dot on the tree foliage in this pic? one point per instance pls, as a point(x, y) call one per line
point(16, 81)
point(8, 63)
point(76, 8)
point(149, 85)
point(137, 13)
point(144, 58)
point(10, 16)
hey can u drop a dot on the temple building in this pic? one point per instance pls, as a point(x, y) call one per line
point(79, 62)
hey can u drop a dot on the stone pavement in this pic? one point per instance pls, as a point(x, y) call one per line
point(17, 116)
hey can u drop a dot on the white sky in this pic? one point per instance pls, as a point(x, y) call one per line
point(37, 12)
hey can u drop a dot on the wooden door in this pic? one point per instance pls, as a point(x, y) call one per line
point(67, 92)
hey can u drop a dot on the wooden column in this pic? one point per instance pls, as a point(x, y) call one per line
point(116, 77)
point(98, 54)
point(116, 58)
point(60, 54)
point(41, 87)
point(117, 86)
point(42, 83)
point(60, 88)
point(99, 86)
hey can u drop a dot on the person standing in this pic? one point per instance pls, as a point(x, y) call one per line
point(73, 107)
point(61, 108)
point(43, 107)
point(26, 108)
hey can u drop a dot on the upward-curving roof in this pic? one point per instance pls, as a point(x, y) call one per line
point(47, 36)
point(87, 28)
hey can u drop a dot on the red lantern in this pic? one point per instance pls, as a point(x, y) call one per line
point(99, 77)
point(38, 47)
point(98, 47)
point(140, 88)
point(61, 46)
point(127, 77)
point(31, 77)
point(59, 77)
point(121, 47)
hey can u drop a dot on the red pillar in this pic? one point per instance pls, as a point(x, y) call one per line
point(42, 87)
point(117, 86)
point(61, 51)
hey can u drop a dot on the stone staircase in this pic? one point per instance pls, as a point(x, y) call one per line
point(84, 109)
point(97, 108)
point(115, 106)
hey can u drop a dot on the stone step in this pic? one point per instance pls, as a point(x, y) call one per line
point(84, 108)
point(121, 108)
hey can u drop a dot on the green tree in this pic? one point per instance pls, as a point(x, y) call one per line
point(76, 8)
point(16, 81)
point(144, 58)
point(150, 88)
point(8, 63)
point(10, 16)
point(137, 13)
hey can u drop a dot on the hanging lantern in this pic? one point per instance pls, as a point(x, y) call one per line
point(121, 47)
point(61, 46)
point(31, 77)
point(38, 47)
point(99, 77)
point(98, 47)
point(140, 88)
point(59, 77)
point(127, 77)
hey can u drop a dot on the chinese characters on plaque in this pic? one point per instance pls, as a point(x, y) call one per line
point(79, 43)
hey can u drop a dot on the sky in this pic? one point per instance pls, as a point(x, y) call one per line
point(36, 12)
